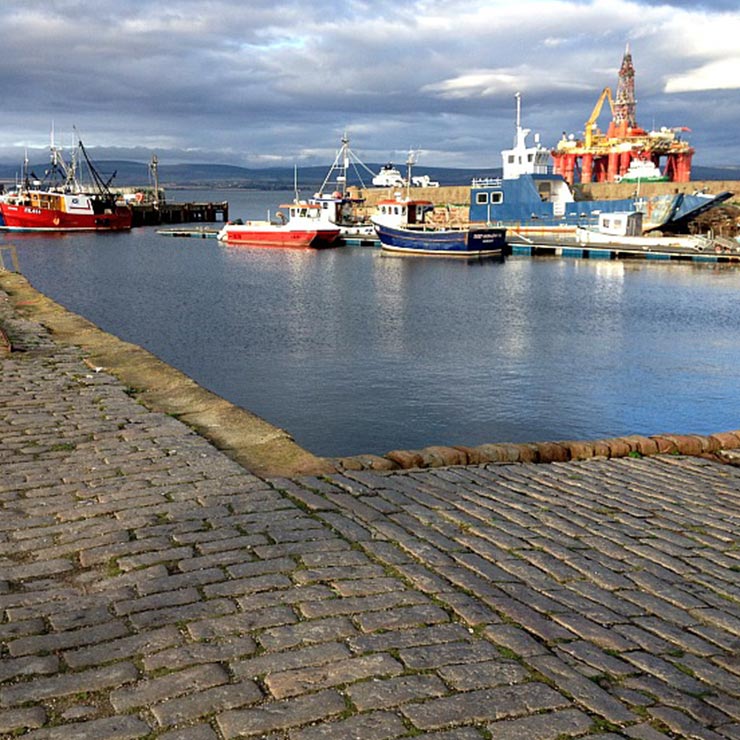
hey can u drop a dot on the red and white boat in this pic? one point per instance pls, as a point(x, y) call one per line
point(61, 203)
point(305, 227)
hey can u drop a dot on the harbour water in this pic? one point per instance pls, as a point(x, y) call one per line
point(353, 351)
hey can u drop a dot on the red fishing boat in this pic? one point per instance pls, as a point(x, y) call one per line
point(304, 228)
point(60, 202)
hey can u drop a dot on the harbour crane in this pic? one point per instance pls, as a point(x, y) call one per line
point(606, 94)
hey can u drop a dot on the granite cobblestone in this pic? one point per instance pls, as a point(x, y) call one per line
point(152, 587)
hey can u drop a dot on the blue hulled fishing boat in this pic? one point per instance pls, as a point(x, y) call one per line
point(411, 226)
point(402, 226)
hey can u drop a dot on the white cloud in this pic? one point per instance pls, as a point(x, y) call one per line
point(722, 74)
point(267, 77)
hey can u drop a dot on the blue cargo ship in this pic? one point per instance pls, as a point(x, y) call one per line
point(531, 198)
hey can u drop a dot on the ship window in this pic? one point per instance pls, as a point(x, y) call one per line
point(511, 159)
point(481, 199)
point(497, 197)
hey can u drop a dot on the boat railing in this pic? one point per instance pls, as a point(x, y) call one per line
point(487, 182)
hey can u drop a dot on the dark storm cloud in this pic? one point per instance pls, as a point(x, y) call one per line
point(278, 81)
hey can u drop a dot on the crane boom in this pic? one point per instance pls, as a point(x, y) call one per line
point(606, 94)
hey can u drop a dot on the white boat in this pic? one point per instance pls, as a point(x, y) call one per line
point(624, 230)
point(642, 170)
point(304, 227)
point(423, 181)
point(389, 177)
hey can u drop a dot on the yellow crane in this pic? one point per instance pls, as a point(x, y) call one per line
point(606, 94)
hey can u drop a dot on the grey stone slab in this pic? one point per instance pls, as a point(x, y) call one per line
point(305, 633)
point(588, 693)
point(547, 726)
point(392, 692)
point(221, 651)
point(665, 670)
point(368, 726)
point(483, 675)
point(281, 715)
point(142, 643)
point(242, 622)
point(194, 732)
point(406, 638)
point(298, 681)
point(50, 687)
point(56, 641)
point(515, 639)
point(107, 728)
point(313, 655)
point(684, 726)
point(202, 703)
point(148, 691)
point(31, 665)
point(483, 706)
point(185, 613)
point(16, 721)
point(447, 653)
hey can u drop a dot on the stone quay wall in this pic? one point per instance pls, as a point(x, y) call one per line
point(460, 194)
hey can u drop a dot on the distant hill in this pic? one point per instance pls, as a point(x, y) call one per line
point(128, 173)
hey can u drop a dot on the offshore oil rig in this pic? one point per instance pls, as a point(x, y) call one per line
point(625, 151)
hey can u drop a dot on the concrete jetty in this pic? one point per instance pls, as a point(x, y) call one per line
point(162, 582)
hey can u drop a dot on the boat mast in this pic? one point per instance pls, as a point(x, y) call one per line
point(410, 160)
point(342, 176)
point(154, 174)
point(342, 161)
point(97, 179)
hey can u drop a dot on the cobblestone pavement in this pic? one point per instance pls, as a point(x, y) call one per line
point(151, 587)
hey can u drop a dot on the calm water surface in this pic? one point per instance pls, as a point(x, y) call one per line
point(355, 351)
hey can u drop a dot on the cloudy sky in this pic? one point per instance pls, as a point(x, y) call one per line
point(263, 82)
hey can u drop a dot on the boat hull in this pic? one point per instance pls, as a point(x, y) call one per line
point(277, 236)
point(588, 237)
point(474, 242)
point(28, 218)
